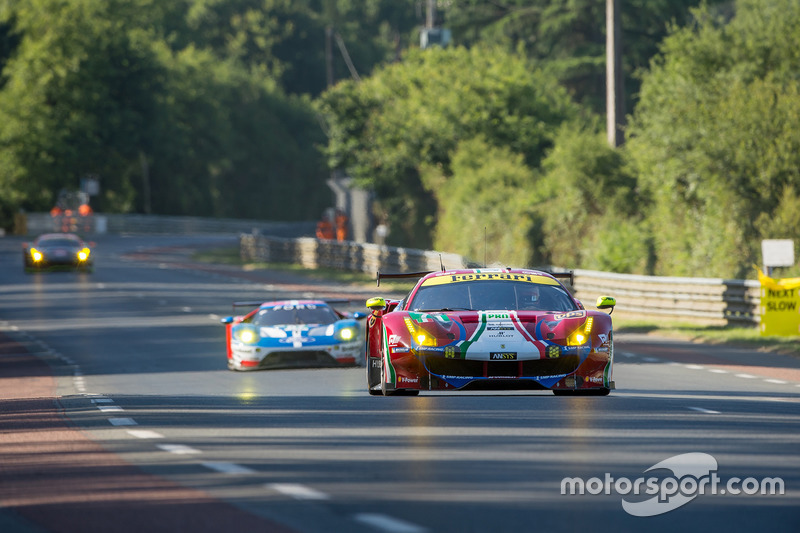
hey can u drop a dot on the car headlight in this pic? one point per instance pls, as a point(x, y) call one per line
point(83, 255)
point(419, 335)
point(346, 334)
point(247, 336)
point(581, 335)
point(36, 255)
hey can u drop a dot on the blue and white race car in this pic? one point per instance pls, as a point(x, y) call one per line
point(293, 333)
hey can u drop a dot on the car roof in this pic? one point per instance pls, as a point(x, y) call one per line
point(489, 274)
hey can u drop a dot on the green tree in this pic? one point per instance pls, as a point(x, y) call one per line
point(77, 101)
point(715, 139)
point(116, 88)
point(414, 113)
point(288, 38)
point(590, 218)
point(487, 208)
point(567, 37)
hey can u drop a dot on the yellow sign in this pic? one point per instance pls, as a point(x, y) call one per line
point(780, 306)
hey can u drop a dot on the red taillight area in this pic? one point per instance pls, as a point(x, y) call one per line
point(250, 363)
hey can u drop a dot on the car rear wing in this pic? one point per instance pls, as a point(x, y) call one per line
point(257, 303)
point(564, 275)
point(403, 275)
point(254, 303)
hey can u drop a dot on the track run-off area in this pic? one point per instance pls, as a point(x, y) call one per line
point(117, 413)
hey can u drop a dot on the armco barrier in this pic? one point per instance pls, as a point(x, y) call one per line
point(706, 300)
point(703, 300)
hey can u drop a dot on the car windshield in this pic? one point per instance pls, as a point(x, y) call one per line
point(58, 242)
point(492, 295)
point(295, 314)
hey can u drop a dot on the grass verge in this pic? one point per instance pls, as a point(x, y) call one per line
point(744, 337)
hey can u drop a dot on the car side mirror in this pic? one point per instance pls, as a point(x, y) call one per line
point(358, 315)
point(226, 320)
point(376, 304)
point(606, 302)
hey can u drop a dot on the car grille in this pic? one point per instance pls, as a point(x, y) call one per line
point(502, 369)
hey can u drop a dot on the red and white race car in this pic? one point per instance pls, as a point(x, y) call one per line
point(489, 329)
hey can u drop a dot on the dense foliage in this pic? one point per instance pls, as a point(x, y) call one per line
point(182, 107)
point(412, 116)
point(716, 139)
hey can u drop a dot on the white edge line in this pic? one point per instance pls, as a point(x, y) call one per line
point(122, 422)
point(300, 492)
point(703, 410)
point(145, 434)
point(228, 468)
point(388, 523)
point(177, 449)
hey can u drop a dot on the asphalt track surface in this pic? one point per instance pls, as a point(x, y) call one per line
point(117, 413)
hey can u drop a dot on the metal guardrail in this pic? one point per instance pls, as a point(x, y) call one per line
point(704, 300)
point(707, 300)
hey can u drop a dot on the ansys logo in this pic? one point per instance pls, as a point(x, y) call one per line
point(692, 475)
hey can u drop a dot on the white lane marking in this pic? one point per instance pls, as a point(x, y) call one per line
point(387, 523)
point(746, 376)
point(122, 422)
point(297, 491)
point(627, 354)
point(777, 381)
point(706, 411)
point(717, 371)
point(694, 367)
point(102, 400)
point(145, 434)
point(651, 359)
point(110, 408)
point(229, 468)
point(178, 449)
